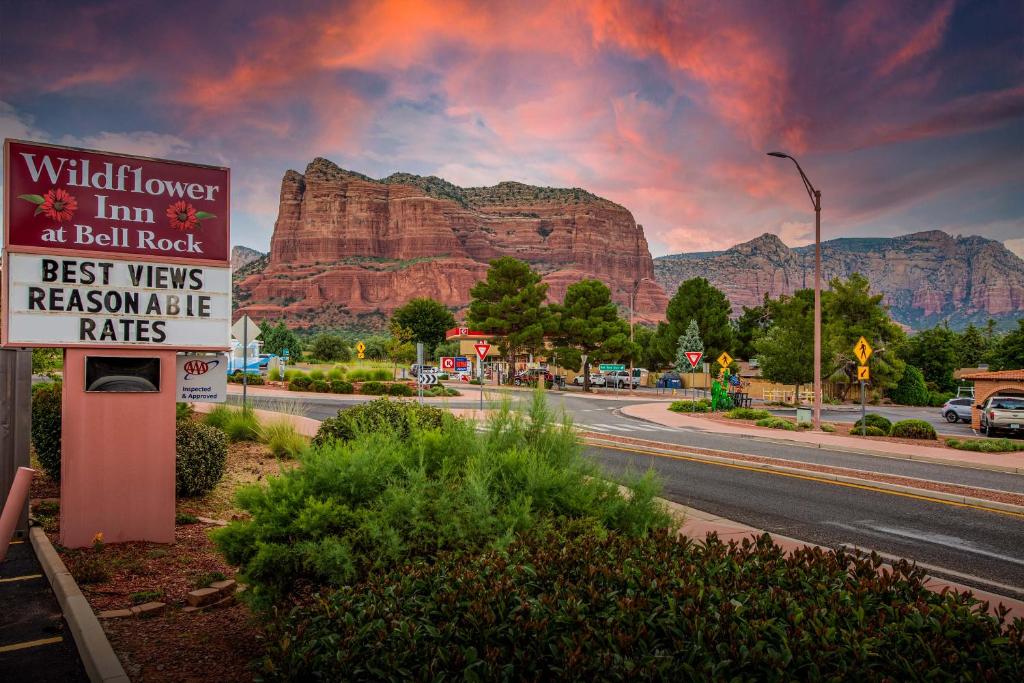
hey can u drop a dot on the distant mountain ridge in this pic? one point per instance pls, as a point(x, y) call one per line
point(926, 277)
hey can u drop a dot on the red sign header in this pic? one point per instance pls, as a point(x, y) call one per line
point(65, 199)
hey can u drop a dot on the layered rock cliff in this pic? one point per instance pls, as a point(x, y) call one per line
point(926, 277)
point(348, 246)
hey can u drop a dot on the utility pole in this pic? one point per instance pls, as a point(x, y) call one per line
point(815, 196)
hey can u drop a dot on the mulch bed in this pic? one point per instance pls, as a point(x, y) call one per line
point(214, 645)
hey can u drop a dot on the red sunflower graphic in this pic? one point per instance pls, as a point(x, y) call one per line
point(56, 204)
point(183, 216)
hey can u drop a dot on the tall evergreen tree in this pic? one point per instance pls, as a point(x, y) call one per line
point(688, 341)
point(510, 305)
point(696, 299)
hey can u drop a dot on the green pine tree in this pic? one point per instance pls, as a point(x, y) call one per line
point(688, 341)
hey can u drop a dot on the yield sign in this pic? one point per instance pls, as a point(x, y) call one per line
point(481, 349)
point(694, 357)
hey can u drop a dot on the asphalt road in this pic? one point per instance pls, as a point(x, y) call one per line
point(604, 417)
point(955, 542)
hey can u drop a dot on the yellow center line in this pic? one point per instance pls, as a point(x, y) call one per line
point(30, 643)
point(864, 487)
point(26, 577)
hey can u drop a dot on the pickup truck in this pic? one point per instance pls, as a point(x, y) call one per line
point(620, 379)
point(1002, 414)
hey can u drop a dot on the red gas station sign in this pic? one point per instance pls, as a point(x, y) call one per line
point(73, 200)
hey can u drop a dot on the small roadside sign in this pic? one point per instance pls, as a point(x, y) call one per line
point(448, 363)
point(611, 367)
point(238, 330)
point(284, 352)
point(482, 348)
point(863, 373)
point(360, 355)
point(426, 380)
point(694, 357)
point(360, 347)
point(725, 359)
point(862, 350)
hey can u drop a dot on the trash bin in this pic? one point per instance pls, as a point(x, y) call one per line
point(803, 415)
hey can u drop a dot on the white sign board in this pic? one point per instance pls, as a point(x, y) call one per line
point(202, 377)
point(71, 301)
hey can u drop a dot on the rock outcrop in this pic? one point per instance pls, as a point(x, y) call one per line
point(345, 244)
point(243, 256)
point(926, 277)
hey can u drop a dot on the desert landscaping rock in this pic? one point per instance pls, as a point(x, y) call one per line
point(115, 614)
point(226, 587)
point(149, 609)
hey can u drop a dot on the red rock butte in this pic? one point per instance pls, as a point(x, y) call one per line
point(346, 246)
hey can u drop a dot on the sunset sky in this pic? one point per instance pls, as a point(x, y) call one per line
point(907, 115)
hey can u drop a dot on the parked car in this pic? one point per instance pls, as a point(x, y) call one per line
point(1002, 414)
point(620, 379)
point(596, 380)
point(415, 369)
point(532, 377)
point(956, 409)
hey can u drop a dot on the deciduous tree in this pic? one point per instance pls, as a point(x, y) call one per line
point(329, 347)
point(936, 353)
point(785, 353)
point(278, 337)
point(588, 321)
point(427, 319)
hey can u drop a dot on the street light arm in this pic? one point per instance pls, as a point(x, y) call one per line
point(811, 192)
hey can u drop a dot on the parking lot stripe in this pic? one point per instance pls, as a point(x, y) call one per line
point(26, 577)
point(30, 643)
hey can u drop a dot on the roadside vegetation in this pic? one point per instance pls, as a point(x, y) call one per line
point(986, 445)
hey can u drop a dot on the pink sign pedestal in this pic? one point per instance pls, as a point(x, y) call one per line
point(117, 456)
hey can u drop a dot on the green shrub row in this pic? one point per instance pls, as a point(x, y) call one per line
point(776, 423)
point(747, 414)
point(253, 379)
point(913, 429)
point(687, 406)
point(986, 445)
point(575, 602)
point(440, 391)
point(359, 507)
point(875, 420)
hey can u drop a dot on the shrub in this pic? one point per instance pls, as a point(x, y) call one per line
point(776, 423)
point(253, 380)
point(373, 389)
point(913, 429)
point(218, 416)
point(875, 420)
point(282, 438)
point(686, 406)
point(381, 415)
point(438, 391)
point(443, 376)
point(357, 508)
point(986, 445)
point(299, 383)
point(359, 375)
point(803, 426)
point(911, 389)
point(140, 597)
point(201, 452)
point(46, 425)
point(206, 578)
point(825, 427)
point(576, 603)
point(336, 373)
point(184, 518)
point(293, 373)
point(242, 425)
point(381, 375)
point(937, 399)
point(341, 386)
point(747, 414)
point(400, 390)
point(330, 347)
point(183, 411)
point(320, 386)
point(869, 430)
point(317, 375)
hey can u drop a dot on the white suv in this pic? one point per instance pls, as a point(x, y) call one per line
point(620, 379)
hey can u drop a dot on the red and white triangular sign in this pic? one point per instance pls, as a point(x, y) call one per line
point(481, 349)
point(694, 357)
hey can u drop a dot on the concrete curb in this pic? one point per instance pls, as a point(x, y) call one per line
point(101, 664)
point(767, 467)
point(770, 438)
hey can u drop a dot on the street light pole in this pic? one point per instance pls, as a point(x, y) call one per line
point(632, 296)
point(815, 196)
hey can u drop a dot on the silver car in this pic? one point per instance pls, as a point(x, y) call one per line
point(1002, 414)
point(957, 409)
point(596, 380)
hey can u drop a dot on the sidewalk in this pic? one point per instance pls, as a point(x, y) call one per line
point(1004, 462)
